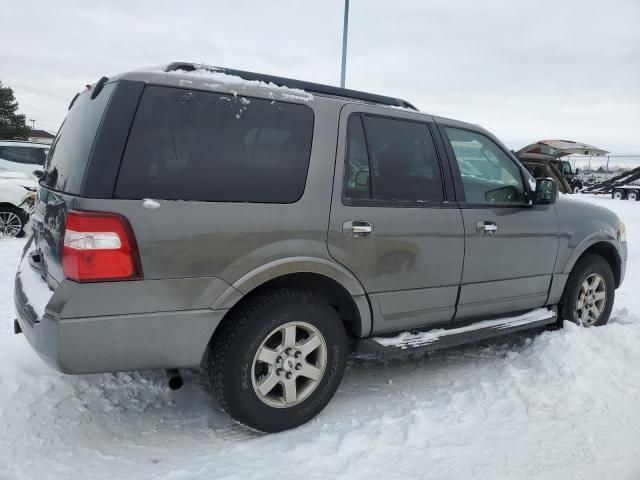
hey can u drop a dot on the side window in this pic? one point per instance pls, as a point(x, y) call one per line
point(206, 146)
point(488, 174)
point(392, 160)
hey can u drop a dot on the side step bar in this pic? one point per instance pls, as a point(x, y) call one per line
point(423, 341)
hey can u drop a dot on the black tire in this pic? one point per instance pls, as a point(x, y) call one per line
point(587, 265)
point(618, 195)
point(22, 216)
point(235, 344)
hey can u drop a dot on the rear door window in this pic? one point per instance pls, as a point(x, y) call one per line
point(69, 154)
point(391, 160)
point(207, 146)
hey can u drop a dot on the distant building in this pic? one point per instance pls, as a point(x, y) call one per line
point(40, 136)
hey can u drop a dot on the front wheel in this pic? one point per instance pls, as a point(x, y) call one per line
point(276, 362)
point(12, 222)
point(589, 293)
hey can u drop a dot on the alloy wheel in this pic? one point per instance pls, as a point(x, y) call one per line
point(10, 224)
point(289, 364)
point(592, 300)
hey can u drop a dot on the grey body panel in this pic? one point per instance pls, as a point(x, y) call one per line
point(511, 269)
point(410, 265)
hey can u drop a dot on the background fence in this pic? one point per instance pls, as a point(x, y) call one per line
point(604, 164)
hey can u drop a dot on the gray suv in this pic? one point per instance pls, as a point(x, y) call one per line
point(266, 228)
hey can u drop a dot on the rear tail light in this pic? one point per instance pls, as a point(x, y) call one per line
point(99, 246)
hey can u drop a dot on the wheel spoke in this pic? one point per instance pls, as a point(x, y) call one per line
point(595, 312)
point(290, 390)
point(289, 336)
point(595, 283)
point(310, 371)
point(266, 385)
point(599, 296)
point(267, 355)
point(309, 345)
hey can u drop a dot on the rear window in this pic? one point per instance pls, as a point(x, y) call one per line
point(70, 151)
point(192, 145)
point(27, 155)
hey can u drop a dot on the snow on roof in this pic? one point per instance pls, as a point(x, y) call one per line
point(220, 79)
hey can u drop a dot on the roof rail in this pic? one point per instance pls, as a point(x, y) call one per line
point(292, 83)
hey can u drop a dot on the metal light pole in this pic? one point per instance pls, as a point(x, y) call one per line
point(344, 43)
point(33, 124)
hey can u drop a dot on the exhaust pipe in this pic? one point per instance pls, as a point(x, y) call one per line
point(174, 379)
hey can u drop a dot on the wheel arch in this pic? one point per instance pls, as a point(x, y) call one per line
point(604, 249)
point(339, 286)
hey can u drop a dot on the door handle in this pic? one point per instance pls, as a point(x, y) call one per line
point(486, 227)
point(357, 229)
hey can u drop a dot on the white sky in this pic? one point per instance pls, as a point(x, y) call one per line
point(524, 69)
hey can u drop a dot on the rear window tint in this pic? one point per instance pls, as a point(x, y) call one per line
point(70, 151)
point(192, 145)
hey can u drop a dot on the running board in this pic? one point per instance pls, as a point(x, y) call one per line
point(419, 341)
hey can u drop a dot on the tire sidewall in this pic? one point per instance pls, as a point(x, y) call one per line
point(240, 392)
point(587, 266)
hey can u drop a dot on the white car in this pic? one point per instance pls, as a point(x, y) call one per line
point(17, 195)
point(24, 157)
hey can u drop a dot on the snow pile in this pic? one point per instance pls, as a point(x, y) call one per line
point(219, 78)
point(545, 405)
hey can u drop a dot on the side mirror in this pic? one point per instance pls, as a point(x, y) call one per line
point(546, 191)
point(39, 174)
point(362, 179)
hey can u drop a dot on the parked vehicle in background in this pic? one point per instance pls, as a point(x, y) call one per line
point(266, 228)
point(17, 196)
point(552, 151)
point(25, 157)
point(624, 186)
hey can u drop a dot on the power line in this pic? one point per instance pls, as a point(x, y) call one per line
point(36, 91)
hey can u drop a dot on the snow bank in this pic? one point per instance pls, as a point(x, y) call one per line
point(546, 405)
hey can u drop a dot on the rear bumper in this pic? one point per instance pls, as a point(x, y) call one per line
point(111, 343)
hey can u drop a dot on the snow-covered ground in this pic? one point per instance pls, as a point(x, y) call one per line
point(556, 405)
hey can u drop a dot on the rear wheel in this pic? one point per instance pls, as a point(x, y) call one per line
point(589, 293)
point(618, 195)
point(12, 222)
point(632, 195)
point(277, 361)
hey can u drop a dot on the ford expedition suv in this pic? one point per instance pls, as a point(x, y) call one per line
point(266, 228)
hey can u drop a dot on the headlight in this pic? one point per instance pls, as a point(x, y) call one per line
point(622, 233)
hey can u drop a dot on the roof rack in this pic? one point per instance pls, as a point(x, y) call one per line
point(292, 83)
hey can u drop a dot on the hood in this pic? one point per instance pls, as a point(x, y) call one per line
point(17, 178)
point(554, 149)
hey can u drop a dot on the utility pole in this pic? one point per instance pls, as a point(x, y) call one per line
point(344, 43)
point(33, 124)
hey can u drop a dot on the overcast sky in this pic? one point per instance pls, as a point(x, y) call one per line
point(526, 70)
